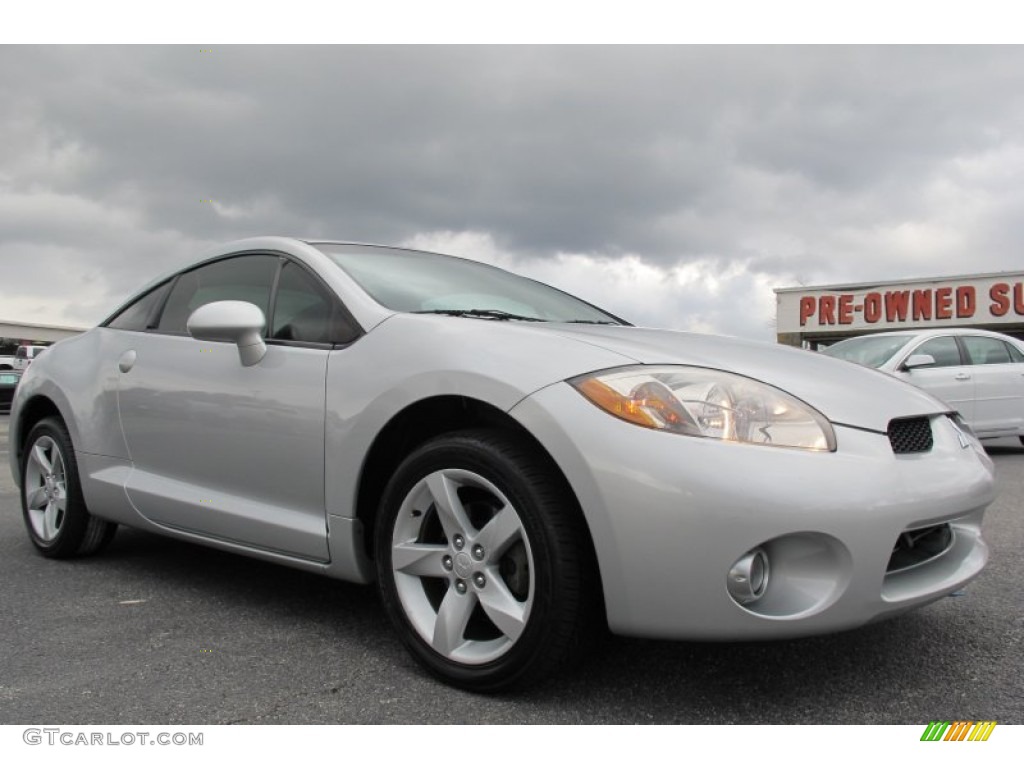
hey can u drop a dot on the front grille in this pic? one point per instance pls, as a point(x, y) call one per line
point(918, 546)
point(910, 435)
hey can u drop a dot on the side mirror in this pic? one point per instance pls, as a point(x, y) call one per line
point(236, 321)
point(917, 361)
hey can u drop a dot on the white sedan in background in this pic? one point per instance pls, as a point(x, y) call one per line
point(979, 373)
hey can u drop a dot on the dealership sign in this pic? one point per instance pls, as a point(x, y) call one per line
point(973, 300)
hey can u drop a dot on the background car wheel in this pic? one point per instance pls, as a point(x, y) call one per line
point(484, 562)
point(58, 522)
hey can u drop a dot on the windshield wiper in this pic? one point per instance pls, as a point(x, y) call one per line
point(493, 314)
point(594, 322)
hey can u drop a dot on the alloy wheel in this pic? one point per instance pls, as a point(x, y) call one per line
point(46, 493)
point(462, 566)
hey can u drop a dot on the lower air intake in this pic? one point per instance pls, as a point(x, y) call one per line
point(916, 547)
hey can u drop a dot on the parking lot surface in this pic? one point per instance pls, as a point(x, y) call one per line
point(159, 631)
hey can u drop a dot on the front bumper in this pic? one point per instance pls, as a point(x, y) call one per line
point(670, 515)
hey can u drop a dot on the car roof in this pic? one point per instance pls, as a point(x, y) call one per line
point(294, 246)
point(366, 311)
point(945, 331)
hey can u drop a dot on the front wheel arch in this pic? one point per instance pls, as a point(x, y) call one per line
point(426, 420)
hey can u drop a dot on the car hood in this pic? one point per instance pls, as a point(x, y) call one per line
point(845, 393)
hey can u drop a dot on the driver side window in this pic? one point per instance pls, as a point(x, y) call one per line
point(944, 349)
point(242, 278)
point(305, 311)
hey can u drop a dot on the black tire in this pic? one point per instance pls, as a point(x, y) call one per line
point(544, 568)
point(56, 533)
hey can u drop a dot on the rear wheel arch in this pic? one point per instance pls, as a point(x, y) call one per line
point(35, 410)
point(54, 510)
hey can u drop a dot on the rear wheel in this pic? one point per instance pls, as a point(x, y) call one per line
point(57, 520)
point(482, 563)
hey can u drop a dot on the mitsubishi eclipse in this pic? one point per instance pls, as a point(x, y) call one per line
point(514, 468)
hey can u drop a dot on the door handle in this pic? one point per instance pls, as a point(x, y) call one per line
point(127, 361)
point(962, 376)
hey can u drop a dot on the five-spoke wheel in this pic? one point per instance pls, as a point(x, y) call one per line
point(58, 522)
point(45, 488)
point(482, 564)
point(462, 565)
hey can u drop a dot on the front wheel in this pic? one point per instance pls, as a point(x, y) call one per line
point(483, 563)
point(56, 517)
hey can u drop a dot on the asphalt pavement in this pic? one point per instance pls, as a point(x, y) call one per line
point(158, 631)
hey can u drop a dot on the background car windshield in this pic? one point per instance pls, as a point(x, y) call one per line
point(416, 281)
point(872, 351)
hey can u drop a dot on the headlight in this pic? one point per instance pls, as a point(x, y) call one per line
point(702, 402)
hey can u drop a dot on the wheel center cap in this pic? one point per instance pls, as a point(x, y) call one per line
point(463, 565)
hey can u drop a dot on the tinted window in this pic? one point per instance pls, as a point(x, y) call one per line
point(1016, 355)
point(136, 316)
point(943, 349)
point(983, 350)
point(305, 311)
point(244, 278)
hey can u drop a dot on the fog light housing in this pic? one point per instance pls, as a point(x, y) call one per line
point(748, 577)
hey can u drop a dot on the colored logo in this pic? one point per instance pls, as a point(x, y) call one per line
point(959, 730)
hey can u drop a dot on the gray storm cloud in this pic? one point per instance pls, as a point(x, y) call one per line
point(675, 185)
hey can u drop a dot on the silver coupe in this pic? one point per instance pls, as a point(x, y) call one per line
point(515, 468)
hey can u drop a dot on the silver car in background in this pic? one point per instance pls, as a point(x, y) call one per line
point(978, 373)
point(515, 468)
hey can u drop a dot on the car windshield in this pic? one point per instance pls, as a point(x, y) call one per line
point(417, 281)
point(872, 351)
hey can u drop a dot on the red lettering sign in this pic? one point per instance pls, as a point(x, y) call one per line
point(923, 304)
point(872, 307)
point(827, 310)
point(806, 308)
point(896, 303)
point(846, 309)
point(943, 303)
point(966, 299)
point(911, 305)
point(1000, 301)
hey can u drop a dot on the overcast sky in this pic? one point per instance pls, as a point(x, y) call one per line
point(676, 186)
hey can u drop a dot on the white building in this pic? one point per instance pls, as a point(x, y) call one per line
point(813, 316)
point(14, 334)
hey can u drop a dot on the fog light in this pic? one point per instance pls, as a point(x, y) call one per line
point(748, 577)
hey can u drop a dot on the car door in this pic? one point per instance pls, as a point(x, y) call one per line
point(999, 385)
point(949, 379)
point(219, 449)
